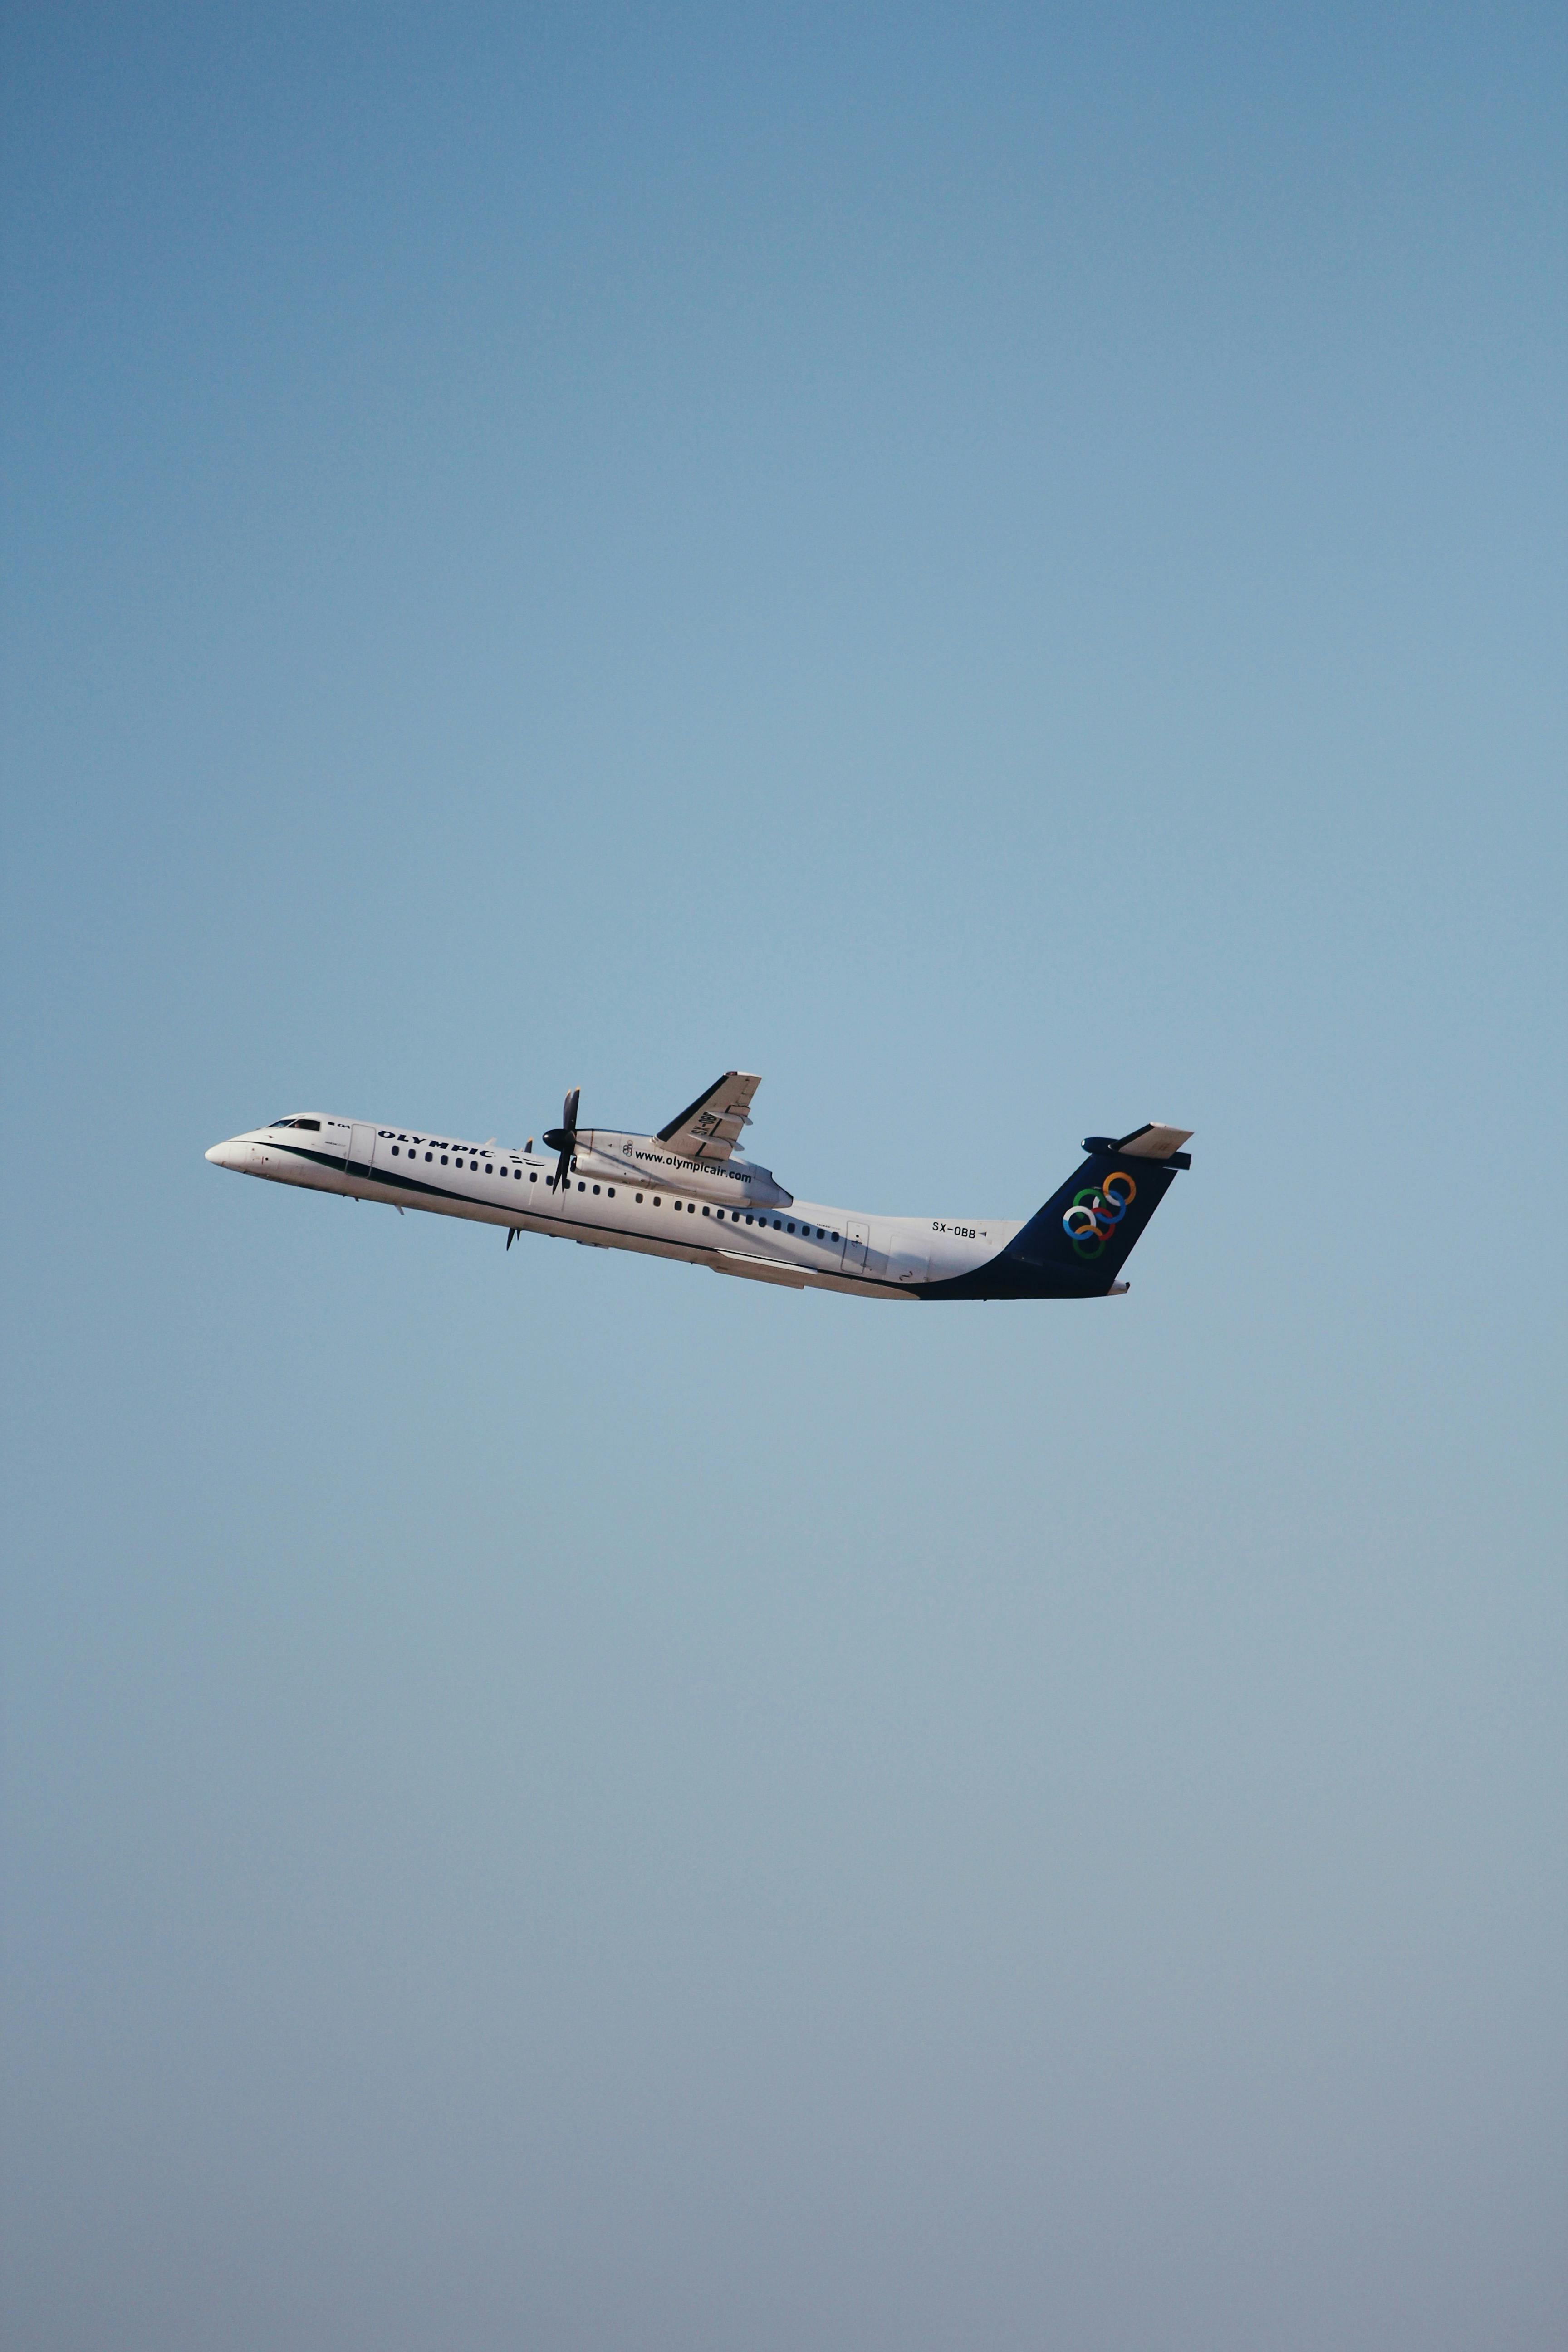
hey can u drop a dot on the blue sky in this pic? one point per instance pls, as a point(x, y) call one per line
point(1004, 569)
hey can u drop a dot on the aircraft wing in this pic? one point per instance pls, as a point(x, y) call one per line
point(710, 1127)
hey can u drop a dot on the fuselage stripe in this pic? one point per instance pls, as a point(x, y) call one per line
point(525, 1214)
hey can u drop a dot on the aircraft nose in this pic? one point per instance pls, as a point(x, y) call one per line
point(222, 1155)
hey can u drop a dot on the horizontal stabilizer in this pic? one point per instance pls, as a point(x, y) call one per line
point(1152, 1141)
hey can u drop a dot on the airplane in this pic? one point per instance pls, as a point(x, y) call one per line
point(687, 1193)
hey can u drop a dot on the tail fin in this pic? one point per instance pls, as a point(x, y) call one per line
point(1077, 1244)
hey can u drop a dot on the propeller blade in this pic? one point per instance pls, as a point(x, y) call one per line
point(564, 1138)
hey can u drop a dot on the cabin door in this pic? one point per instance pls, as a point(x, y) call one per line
point(855, 1246)
point(361, 1145)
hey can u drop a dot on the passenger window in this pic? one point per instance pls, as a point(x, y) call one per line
point(533, 1178)
point(443, 1159)
point(836, 1238)
point(612, 1191)
point(639, 1200)
point(656, 1202)
point(705, 1213)
point(583, 1187)
point(395, 1150)
point(792, 1229)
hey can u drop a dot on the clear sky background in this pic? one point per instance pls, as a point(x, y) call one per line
point(1004, 568)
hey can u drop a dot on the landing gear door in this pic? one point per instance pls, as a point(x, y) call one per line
point(361, 1145)
point(855, 1246)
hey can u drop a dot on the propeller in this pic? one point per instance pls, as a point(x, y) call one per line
point(564, 1138)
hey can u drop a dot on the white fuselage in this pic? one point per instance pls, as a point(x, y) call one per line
point(624, 1191)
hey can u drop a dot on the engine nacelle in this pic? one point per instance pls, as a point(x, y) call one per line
point(643, 1159)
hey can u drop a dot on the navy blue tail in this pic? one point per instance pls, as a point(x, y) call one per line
point(1075, 1246)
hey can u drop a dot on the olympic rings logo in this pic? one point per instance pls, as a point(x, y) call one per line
point(1097, 1211)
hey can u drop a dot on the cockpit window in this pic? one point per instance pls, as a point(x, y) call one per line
point(313, 1124)
point(279, 1122)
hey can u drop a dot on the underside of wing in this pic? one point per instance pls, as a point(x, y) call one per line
point(756, 1269)
point(710, 1127)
